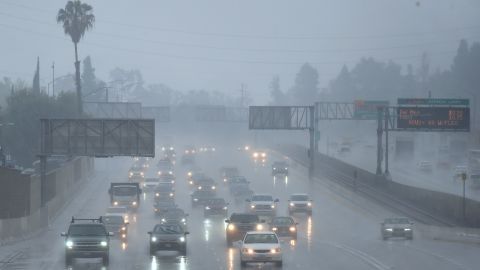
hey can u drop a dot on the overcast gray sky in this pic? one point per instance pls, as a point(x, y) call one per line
point(218, 44)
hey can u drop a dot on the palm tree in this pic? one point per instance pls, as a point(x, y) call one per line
point(76, 18)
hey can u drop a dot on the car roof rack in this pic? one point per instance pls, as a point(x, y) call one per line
point(93, 220)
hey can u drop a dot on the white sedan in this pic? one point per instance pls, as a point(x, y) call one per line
point(260, 246)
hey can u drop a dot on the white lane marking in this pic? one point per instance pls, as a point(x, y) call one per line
point(361, 255)
point(443, 258)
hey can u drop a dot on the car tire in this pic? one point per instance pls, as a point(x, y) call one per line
point(410, 237)
point(385, 237)
point(68, 261)
point(279, 264)
point(105, 260)
point(152, 251)
point(183, 251)
point(243, 263)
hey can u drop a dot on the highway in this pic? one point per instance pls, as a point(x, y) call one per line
point(343, 232)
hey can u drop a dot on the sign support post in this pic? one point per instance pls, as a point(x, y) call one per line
point(379, 141)
point(312, 142)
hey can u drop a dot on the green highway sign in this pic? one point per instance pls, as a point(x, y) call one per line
point(368, 109)
point(433, 101)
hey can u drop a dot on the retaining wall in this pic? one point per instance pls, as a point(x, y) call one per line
point(61, 184)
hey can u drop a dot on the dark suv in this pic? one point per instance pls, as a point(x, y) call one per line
point(169, 236)
point(87, 238)
point(241, 223)
point(280, 168)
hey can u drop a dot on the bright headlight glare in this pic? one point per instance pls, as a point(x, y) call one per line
point(103, 243)
point(115, 203)
point(163, 220)
point(170, 172)
point(250, 251)
point(124, 235)
point(274, 229)
point(225, 208)
point(275, 250)
point(255, 155)
point(309, 204)
point(134, 203)
point(154, 239)
point(157, 194)
point(292, 229)
point(390, 229)
point(184, 220)
point(207, 207)
point(171, 194)
point(159, 173)
point(182, 239)
point(292, 204)
point(259, 227)
point(189, 173)
point(69, 244)
point(124, 228)
point(195, 199)
point(273, 206)
point(231, 227)
point(252, 206)
point(213, 187)
point(408, 229)
point(199, 187)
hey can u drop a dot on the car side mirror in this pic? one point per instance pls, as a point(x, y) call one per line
point(127, 223)
point(111, 234)
point(187, 233)
point(248, 200)
point(227, 221)
point(63, 234)
point(149, 232)
point(296, 223)
point(276, 200)
point(262, 221)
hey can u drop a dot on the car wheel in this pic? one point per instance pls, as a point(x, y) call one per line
point(68, 261)
point(279, 264)
point(183, 251)
point(385, 237)
point(152, 251)
point(410, 237)
point(243, 263)
point(105, 260)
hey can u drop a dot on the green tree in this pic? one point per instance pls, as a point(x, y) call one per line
point(36, 78)
point(76, 18)
point(305, 89)
point(278, 97)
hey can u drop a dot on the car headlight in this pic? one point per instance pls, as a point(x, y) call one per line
point(115, 203)
point(171, 194)
point(231, 227)
point(225, 208)
point(134, 203)
point(224, 179)
point(124, 228)
point(157, 194)
point(292, 229)
point(124, 235)
point(195, 199)
point(275, 250)
point(154, 239)
point(144, 184)
point(286, 168)
point(213, 187)
point(389, 229)
point(199, 187)
point(103, 243)
point(159, 173)
point(292, 204)
point(131, 174)
point(182, 239)
point(207, 207)
point(184, 220)
point(142, 174)
point(259, 227)
point(252, 206)
point(189, 173)
point(190, 182)
point(273, 206)
point(408, 229)
point(170, 172)
point(264, 155)
point(250, 251)
point(163, 220)
point(255, 155)
point(309, 204)
point(69, 244)
point(186, 151)
point(274, 169)
point(274, 229)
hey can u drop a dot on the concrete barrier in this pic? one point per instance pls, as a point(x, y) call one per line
point(442, 205)
point(62, 184)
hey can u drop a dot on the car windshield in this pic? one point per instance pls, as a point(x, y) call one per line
point(164, 188)
point(136, 168)
point(397, 221)
point(299, 197)
point(116, 210)
point(245, 218)
point(282, 221)
point(124, 191)
point(216, 202)
point(279, 164)
point(168, 229)
point(262, 198)
point(86, 230)
point(266, 238)
point(152, 180)
point(112, 219)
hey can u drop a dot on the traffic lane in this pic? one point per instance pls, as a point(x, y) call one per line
point(367, 237)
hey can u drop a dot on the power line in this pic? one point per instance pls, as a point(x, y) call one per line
point(271, 37)
point(245, 49)
point(208, 59)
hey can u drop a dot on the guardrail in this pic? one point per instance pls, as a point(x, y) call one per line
point(427, 206)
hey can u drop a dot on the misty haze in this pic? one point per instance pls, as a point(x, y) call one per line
point(216, 134)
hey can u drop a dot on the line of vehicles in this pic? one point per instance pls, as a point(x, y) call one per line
point(256, 230)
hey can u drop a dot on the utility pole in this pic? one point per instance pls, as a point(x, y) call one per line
point(243, 92)
point(53, 79)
